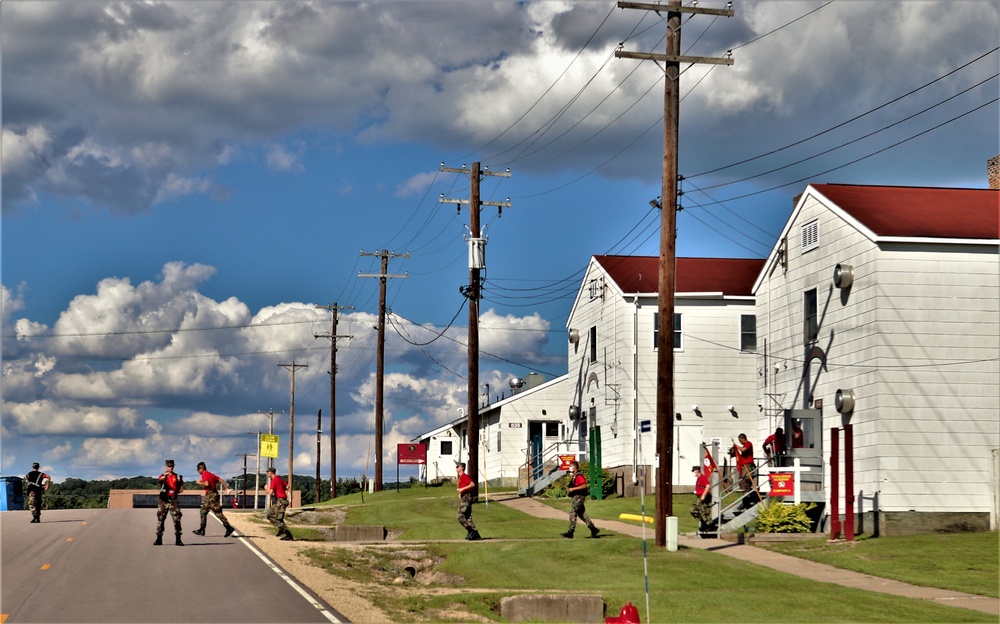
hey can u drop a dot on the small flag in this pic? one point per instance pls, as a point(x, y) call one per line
point(708, 464)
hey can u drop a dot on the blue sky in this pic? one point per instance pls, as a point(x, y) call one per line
point(185, 182)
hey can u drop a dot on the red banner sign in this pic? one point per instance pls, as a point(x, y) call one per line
point(782, 484)
point(411, 453)
point(565, 461)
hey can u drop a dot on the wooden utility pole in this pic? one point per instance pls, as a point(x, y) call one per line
point(668, 238)
point(477, 262)
point(380, 356)
point(333, 393)
point(319, 431)
point(291, 425)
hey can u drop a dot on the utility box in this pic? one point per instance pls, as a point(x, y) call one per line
point(11, 493)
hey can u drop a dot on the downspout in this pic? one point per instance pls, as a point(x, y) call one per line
point(635, 390)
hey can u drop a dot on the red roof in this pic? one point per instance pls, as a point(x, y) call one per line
point(916, 212)
point(640, 274)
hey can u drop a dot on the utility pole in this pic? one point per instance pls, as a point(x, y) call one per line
point(477, 262)
point(291, 426)
point(244, 456)
point(668, 235)
point(333, 392)
point(319, 431)
point(380, 355)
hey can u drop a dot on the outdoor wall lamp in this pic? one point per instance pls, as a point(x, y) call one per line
point(574, 336)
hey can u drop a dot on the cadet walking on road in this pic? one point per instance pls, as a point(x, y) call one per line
point(212, 500)
point(37, 482)
point(171, 485)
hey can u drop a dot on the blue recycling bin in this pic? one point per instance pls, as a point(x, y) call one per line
point(11, 493)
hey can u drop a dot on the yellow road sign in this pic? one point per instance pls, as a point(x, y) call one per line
point(268, 445)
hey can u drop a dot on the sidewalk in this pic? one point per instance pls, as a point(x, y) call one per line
point(782, 563)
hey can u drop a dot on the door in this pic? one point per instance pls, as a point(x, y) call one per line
point(687, 451)
point(535, 433)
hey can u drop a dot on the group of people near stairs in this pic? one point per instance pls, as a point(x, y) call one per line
point(577, 489)
point(172, 485)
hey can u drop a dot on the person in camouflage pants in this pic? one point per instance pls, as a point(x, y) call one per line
point(171, 485)
point(212, 499)
point(37, 482)
point(578, 488)
point(466, 491)
point(277, 488)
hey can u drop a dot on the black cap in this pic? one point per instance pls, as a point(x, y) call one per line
point(170, 463)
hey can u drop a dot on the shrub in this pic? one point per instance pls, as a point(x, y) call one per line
point(775, 517)
point(607, 481)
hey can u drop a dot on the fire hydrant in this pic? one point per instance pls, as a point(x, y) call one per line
point(628, 615)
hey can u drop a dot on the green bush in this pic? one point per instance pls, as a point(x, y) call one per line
point(775, 517)
point(607, 480)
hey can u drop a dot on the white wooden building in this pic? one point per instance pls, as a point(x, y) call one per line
point(890, 295)
point(534, 417)
point(612, 330)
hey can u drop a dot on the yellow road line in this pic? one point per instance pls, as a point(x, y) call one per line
point(46, 566)
point(69, 539)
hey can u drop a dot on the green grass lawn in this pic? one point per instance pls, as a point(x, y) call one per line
point(965, 562)
point(523, 553)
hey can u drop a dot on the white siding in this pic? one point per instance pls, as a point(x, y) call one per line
point(917, 337)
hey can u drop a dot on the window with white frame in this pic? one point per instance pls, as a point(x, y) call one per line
point(748, 333)
point(678, 334)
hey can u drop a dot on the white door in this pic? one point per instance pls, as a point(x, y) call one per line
point(686, 452)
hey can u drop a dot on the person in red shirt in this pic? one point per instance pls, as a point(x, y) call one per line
point(703, 496)
point(277, 488)
point(774, 445)
point(466, 491)
point(743, 451)
point(798, 439)
point(578, 490)
point(212, 501)
point(171, 486)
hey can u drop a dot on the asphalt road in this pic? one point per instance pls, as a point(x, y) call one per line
point(100, 565)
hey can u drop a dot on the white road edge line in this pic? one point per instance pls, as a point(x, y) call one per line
point(326, 613)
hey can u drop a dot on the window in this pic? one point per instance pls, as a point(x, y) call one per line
point(551, 430)
point(498, 442)
point(810, 235)
point(446, 447)
point(678, 342)
point(810, 330)
point(748, 332)
point(593, 344)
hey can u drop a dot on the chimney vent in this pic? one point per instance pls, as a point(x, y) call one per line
point(993, 172)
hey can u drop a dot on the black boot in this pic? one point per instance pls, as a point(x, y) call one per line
point(568, 534)
point(594, 531)
point(178, 541)
point(159, 541)
point(229, 531)
point(288, 536)
point(199, 531)
point(474, 536)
